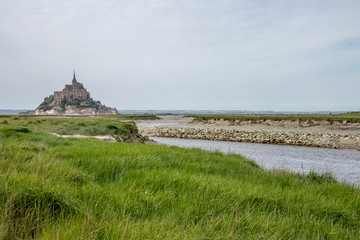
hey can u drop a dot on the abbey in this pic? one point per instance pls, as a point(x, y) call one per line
point(75, 90)
point(73, 99)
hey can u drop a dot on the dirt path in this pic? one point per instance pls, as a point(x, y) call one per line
point(104, 138)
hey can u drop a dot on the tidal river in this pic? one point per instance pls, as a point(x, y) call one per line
point(344, 164)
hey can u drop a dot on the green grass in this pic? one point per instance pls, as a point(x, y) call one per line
point(56, 188)
point(88, 126)
point(348, 117)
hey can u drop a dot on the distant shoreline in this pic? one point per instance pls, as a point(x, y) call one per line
point(12, 111)
point(199, 112)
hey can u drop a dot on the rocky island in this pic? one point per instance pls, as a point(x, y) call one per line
point(74, 99)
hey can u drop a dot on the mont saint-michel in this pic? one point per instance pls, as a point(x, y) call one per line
point(74, 99)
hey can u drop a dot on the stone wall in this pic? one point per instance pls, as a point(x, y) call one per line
point(326, 140)
point(73, 110)
point(76, 90)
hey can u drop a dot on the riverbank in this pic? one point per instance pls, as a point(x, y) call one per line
point(326, 140)
point(286, 132)
point(343, 164)
point(79, 127)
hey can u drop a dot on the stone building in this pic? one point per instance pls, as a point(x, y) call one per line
point(74, 91)
point(73, 99)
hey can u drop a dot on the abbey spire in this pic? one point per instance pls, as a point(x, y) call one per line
point(74, 78)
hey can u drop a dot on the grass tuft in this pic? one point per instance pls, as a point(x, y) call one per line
point(324, 178)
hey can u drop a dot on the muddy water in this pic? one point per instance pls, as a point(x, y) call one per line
point(344, 164)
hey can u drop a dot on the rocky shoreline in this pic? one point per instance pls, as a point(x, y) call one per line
point(309, 139)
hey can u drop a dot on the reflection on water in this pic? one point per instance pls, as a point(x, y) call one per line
point(344, 164)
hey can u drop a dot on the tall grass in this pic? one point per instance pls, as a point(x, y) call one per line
point(55, 188)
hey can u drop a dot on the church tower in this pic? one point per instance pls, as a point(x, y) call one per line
point(74, 79)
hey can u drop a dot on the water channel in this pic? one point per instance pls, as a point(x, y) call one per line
point(344, 164)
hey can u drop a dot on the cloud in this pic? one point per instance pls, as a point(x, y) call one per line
point(183, 54)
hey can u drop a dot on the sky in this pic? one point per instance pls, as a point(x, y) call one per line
point(184, 54)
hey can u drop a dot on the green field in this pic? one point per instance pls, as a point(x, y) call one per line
point(57, 188)
point(348, 117)
point(88, 126)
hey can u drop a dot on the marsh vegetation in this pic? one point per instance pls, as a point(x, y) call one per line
point(343, 118)
point(55, 188)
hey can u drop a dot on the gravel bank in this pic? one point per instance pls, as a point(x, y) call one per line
point(310, 139)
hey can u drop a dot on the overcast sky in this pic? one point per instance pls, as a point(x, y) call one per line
point(184, 54)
